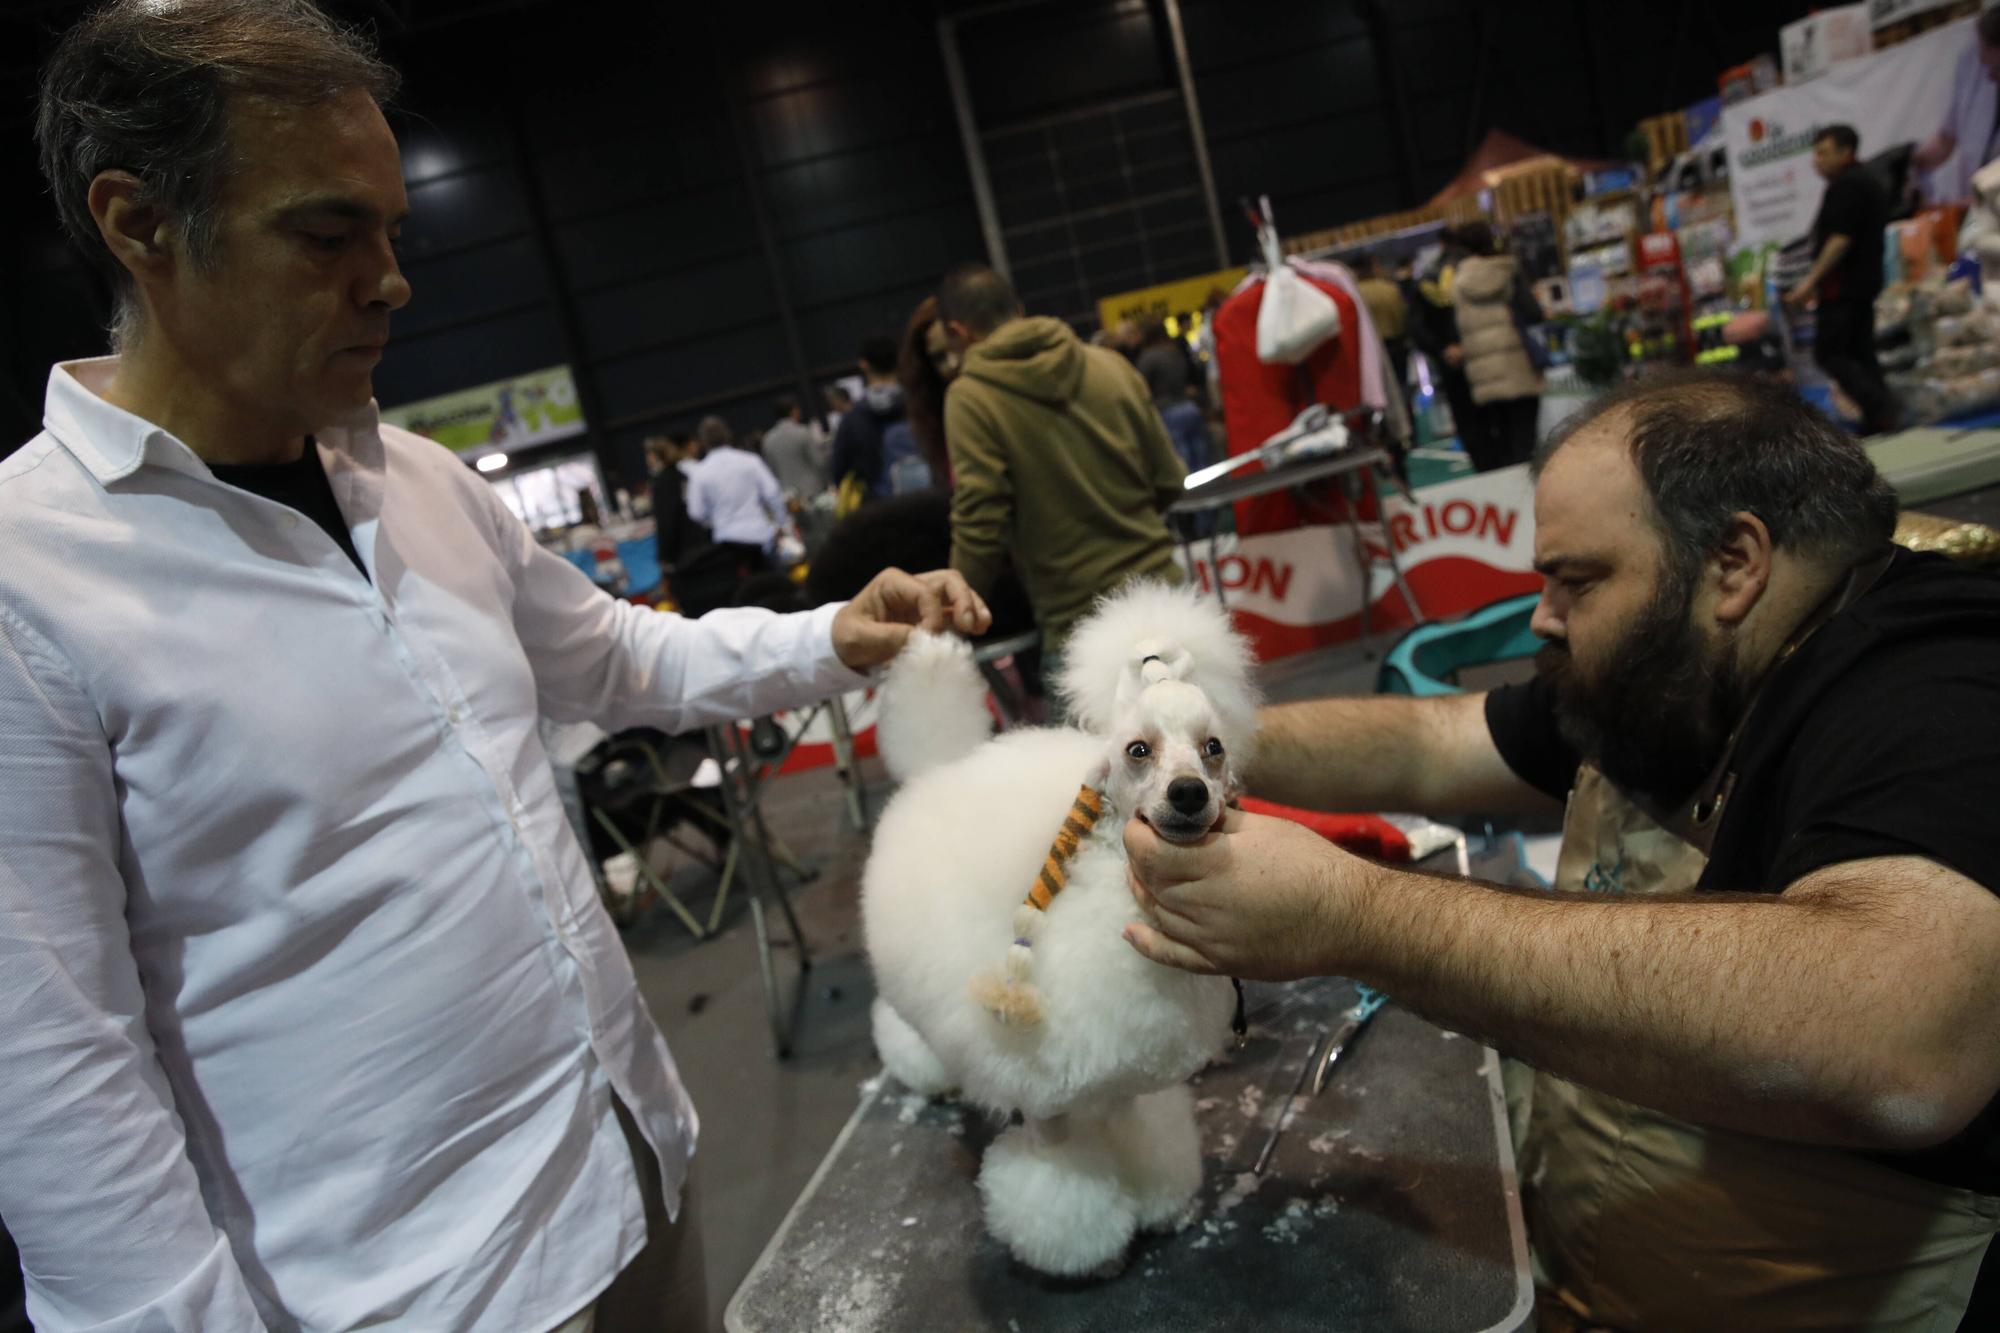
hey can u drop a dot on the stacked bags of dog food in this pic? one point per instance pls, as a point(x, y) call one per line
point(1940, 350)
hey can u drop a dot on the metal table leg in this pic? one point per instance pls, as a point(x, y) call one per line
point(739, 800)
point(1366, 566)
point(1396, 567)
point(1215, 564)
point(850, 768)
point(1183, 531)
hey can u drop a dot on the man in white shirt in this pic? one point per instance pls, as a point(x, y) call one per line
point(732, 492)
point(309, 1016)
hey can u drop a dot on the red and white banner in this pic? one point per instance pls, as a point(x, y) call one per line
point(1461, 544)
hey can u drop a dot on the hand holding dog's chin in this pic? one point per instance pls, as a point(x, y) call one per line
point(1258, 898)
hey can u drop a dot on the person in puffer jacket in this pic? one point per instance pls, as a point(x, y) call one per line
point(1493, 303)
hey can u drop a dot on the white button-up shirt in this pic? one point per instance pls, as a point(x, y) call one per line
point(734, 494)
point(309, 1015)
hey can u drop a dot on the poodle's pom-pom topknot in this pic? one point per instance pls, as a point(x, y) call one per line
point(1179, 624)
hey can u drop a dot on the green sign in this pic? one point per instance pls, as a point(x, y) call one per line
point(510, 414)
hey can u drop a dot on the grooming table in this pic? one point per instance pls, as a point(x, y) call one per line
point(1390, 1204)
point(1931, 462)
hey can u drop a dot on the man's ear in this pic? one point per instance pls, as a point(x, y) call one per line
point(1741, 567)
point(135, 229)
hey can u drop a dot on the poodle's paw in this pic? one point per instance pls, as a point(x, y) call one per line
point(1109, 1269)
point(1158, 1147)
point(905, 1054)
point(1058, 1206)
point(1189, 1214)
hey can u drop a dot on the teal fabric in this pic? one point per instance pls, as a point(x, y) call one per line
point(1427, 660)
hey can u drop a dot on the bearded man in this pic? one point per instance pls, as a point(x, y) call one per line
point(1762, 1006)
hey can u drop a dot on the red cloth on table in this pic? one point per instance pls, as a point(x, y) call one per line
point(1259, 399)
point(1370, 835)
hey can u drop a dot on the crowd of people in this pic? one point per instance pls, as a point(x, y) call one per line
point(1013, 421)
point(1006, 424)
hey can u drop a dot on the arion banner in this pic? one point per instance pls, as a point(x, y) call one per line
point(1461, 543)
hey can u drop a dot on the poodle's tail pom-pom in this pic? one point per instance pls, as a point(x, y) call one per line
point(933, 706)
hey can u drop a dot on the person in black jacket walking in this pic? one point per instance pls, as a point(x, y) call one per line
point(1846, 275)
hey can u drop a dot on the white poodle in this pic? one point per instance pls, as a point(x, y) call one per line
point(994, 899)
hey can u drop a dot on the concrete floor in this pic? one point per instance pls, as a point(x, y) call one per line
point(765, 1123)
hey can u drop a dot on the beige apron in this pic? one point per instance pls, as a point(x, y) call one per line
point(1644, 1222)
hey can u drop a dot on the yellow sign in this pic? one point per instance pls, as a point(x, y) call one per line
point(507, 414)
point(1168, 299)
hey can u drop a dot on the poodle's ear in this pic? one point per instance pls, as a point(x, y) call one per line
point(1100, 774)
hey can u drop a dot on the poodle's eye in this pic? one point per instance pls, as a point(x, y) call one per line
point(1138, 750)
point(1213, 749)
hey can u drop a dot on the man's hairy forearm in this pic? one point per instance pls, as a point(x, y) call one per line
point(1337, 754)
point(1386, 752)
point(1758, 1013)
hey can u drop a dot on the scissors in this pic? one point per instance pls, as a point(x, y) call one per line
point(1320, 1061)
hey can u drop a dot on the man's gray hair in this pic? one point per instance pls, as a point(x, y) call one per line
point(1710, 444)
point(145, 86)
point(714, 433)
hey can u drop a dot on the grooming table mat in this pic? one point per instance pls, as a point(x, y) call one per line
point(1931, 462)
point(1390, 1203)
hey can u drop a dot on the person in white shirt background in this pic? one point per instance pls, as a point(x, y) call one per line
point(732, 492)
point(309, 1016)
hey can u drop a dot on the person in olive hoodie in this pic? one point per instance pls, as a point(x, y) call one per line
point(1060, 461)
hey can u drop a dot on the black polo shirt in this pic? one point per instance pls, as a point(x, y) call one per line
point(1855, 205)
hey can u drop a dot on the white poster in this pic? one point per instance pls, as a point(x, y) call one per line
point(1906, 94)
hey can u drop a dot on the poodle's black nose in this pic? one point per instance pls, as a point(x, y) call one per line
point(1188, 795)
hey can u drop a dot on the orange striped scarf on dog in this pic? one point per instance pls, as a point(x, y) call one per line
point(1083, 815)
point(1010, 996)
